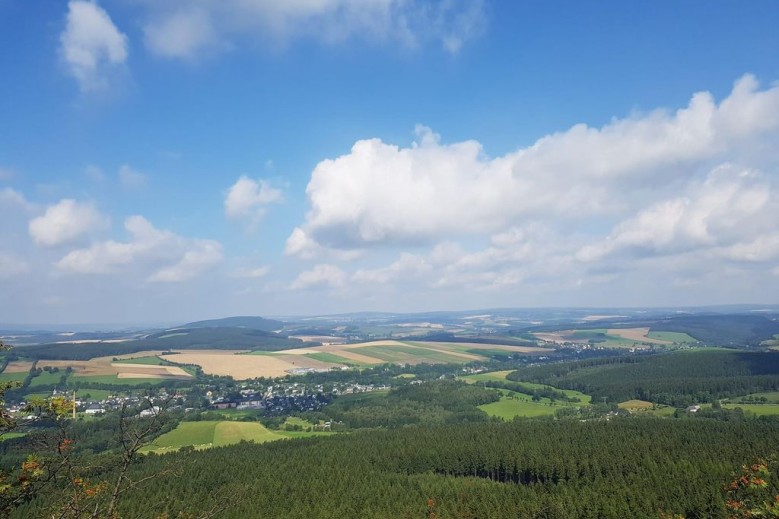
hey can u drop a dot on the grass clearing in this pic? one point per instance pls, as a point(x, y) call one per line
point(47, 378)
point(12, 377)
point(758, 409)
point(510, 407)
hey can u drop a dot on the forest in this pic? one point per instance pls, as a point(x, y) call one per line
point(527, 469)
point(678, 379)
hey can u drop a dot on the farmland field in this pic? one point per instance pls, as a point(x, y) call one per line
point(673, 337)
point(152, 360)
point(18, 366)
point(242, 365)
point(138, 368)
point(114, 380)
point(615, 337)
point(207, 434)
point(487, 377)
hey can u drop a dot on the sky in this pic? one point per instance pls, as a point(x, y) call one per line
point(180, 160)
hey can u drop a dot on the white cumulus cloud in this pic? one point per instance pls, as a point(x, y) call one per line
point(383, 194)
point(91, 44)
point(248, 198)
point(65, 222)
point(157, 254)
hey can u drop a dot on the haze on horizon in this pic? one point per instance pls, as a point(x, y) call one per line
point(168, 163)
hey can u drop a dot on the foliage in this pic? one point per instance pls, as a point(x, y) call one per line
point(749, 495)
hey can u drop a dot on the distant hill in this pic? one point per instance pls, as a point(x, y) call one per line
point(251, 322)
point(734, 330)
point(218, 338)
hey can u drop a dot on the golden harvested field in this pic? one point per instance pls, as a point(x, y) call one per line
point(18, 366)
point(238, 365)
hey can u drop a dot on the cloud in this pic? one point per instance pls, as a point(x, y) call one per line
point(384, 195)
point(188, 30)
point(66, 222)
point(321, 276)
point(732, 209)
point(161, 256)
point(248, 198)
point(132, 179)
point(6, 174)
point(91, 44)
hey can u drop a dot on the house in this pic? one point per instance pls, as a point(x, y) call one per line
point(94, 409)
point(152, 411)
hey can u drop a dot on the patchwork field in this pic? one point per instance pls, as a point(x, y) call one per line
point(616, 337)
point(207, 434)
point(145, 366)
point(242, 365)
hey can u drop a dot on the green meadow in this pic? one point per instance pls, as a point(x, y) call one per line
point(492, 376)
point(676, 337)
point(512, 405)
point(112, 380)
point(207, 434)
point(151, 360)
point(324, 356)
point(12, 377)
point(758, 409)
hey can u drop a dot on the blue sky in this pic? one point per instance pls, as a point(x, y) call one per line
point(169, 161)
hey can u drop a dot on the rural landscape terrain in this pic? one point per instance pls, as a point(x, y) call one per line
point(472, 413)
point(389, 259)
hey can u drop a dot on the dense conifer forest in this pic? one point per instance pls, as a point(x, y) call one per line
point(678, 379)
point(557, 469)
